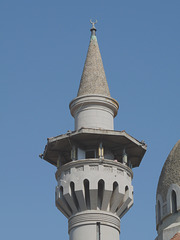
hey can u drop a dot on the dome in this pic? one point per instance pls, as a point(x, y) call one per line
point(170, 173)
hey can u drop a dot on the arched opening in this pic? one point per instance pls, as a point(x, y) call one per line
point(74, 195)
point(159, 212)
point(61, 191)
point(114, 193)
point(87, 194)
point(126, 188)
point(100, 193)
point(115, 185)
point(174, 201)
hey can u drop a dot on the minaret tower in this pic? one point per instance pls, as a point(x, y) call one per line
point(94, 162)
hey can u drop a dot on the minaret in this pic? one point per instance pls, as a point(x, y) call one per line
point(94, 162)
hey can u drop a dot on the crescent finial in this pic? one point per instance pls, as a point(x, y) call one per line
point(93, 23)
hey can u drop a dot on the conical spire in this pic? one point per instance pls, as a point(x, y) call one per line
point(93, 80)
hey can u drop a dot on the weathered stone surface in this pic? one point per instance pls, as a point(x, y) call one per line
point(170, 172)
point(93, 80)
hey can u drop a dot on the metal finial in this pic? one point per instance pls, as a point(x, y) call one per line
point(93, 29)
point(93, 23)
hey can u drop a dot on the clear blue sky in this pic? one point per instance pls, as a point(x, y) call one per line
point(43, 46)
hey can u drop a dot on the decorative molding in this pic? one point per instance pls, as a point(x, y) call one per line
point(92, 217)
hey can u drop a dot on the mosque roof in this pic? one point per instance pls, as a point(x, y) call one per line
point(170, 171)
point(93, 80)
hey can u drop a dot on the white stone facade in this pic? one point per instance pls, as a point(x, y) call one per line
point(94, 111)
point(95, 193)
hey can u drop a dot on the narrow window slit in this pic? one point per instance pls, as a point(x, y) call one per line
point(126, 188)
point(159, 212)
point(174, 202)
point(115, 189)
point(100, 193)
point(74, 195)
point(87, 194)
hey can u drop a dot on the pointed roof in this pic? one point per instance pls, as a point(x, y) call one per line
point(93, 80)
point(170, 171)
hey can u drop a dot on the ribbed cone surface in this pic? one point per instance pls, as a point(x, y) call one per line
point(170, 172)
point(93, 80)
